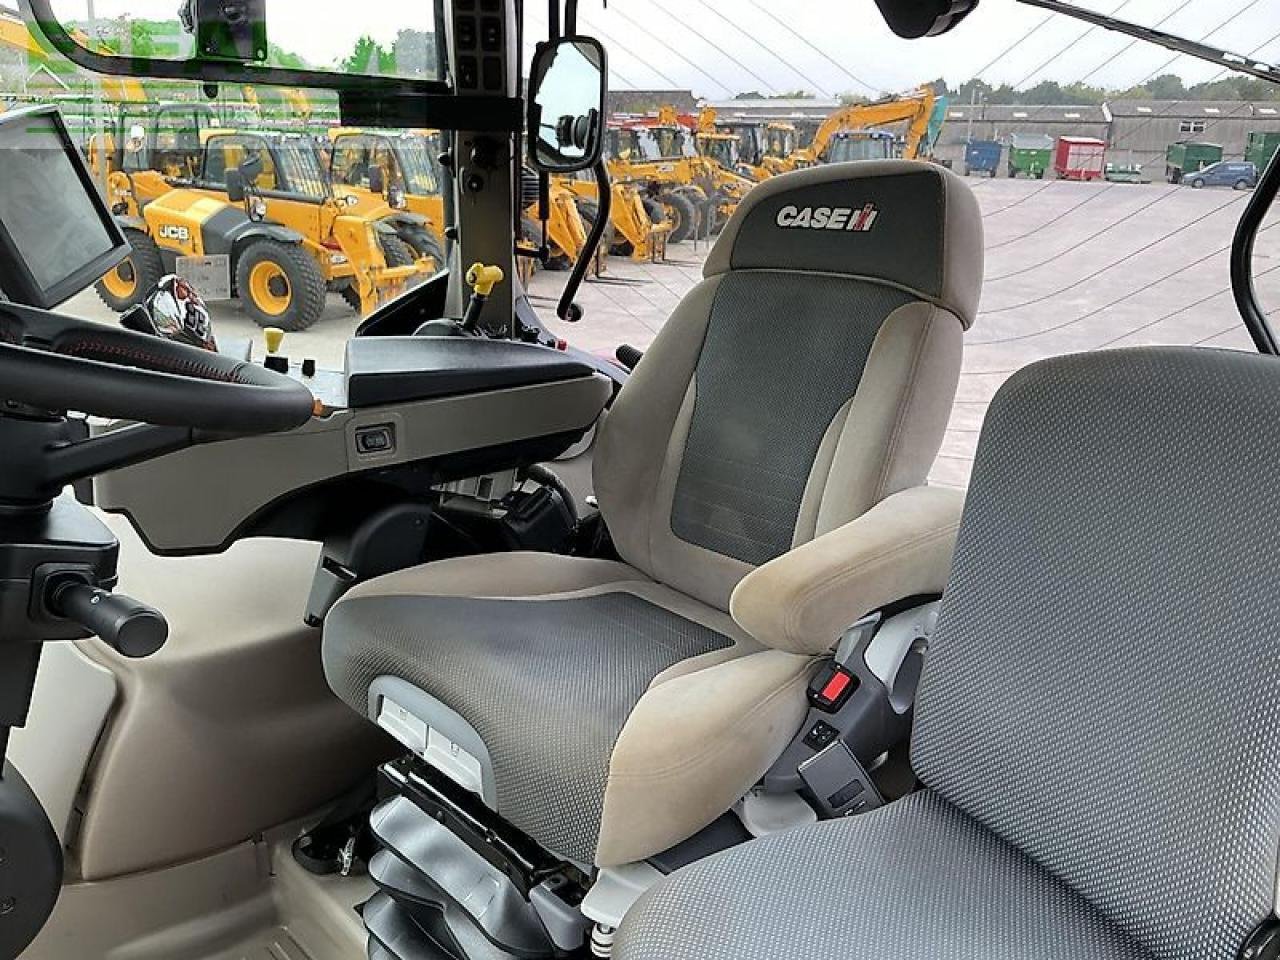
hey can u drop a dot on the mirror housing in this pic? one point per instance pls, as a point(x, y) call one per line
point(377, 179)
point(236, 191)
point(231, 30)
point(567, 90)
point(913, 19)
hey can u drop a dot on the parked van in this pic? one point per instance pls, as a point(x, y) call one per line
point(1237, 174)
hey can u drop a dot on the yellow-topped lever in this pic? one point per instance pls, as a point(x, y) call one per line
point(274, 337)
point(482, 279)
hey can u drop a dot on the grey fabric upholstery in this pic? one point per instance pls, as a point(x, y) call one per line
point(1104, 687)
point(915, 879)
point(1098, 726)
point(783, 354)
point(547, 684)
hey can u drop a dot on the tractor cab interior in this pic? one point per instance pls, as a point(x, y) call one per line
point(481, 646)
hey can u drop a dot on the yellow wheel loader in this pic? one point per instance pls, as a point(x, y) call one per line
point(640, 227)
point(655, 162)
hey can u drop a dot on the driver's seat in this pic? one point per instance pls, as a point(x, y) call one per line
point(611, 710)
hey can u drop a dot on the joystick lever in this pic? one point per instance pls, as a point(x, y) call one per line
point(130, 627)
point(482, 280)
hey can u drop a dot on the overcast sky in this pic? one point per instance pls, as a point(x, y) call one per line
point(719, 49)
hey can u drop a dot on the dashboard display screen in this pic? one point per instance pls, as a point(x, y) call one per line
point(56, 229)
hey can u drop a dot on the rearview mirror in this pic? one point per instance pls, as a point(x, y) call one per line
point(246, 41)
point(567, 90)
point(235, 186)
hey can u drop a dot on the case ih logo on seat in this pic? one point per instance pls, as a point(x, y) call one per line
point(828, 218)
point(173, 231)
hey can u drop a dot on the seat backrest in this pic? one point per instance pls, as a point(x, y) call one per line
point(1103, 690)
point(809, 374)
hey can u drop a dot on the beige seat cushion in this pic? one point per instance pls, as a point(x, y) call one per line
point(618, 716)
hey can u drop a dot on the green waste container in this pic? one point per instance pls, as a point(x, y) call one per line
point(1030, 155)
point(1189, 156)
point(1262, 146)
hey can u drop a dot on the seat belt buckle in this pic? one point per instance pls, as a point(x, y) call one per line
point(835, 682)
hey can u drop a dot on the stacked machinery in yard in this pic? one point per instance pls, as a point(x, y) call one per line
point(762, 147)
point(263, 200)
point(851, 124)
point(652, 158)
point(1079, 158)
point(1188, 156)
point(1030, 155)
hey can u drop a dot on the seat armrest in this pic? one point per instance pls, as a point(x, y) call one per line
point(804, 600)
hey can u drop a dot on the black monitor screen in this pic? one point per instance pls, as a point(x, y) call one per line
point(56, 235)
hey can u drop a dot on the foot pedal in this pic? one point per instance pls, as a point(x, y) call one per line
point(423, 864)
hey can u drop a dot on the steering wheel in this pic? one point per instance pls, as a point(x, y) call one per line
point(54, 362)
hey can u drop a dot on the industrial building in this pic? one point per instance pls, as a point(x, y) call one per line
point(1136, 131)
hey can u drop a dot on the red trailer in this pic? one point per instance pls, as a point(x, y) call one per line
point(1079, 158)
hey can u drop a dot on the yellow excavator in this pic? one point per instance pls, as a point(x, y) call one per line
point(851, 124)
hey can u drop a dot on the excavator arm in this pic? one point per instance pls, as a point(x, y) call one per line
point(917, 107)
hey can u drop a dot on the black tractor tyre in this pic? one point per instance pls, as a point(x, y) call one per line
point(302, 285)
point(682, 214)
point(351, 297)
point(589, 210)
point(395, 251)
point(140, 272)
point(424, 244)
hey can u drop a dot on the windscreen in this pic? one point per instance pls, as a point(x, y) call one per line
point(418, 166)
point(301, 169)
point(53, 224)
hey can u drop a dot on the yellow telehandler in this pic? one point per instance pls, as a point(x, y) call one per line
point(261, 199)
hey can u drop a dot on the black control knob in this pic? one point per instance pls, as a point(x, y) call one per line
point(134, 629)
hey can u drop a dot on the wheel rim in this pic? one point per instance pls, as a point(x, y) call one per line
point(122, 282)
point(269, 287)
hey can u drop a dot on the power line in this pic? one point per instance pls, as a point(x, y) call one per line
point(614, 11)
point(1133, 43)
point(1097, 273)
point(1178, 56)
point(799, 73)
point(1168, 194)
point(684, 24)
point(1187, 309)
point(1045, 226)
point(1069, 46)
point(816, 49)
point(1013, 46)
